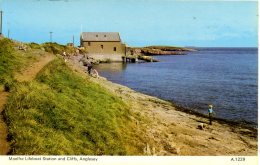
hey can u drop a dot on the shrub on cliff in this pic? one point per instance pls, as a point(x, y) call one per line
point(34, 45)
point(56, 48)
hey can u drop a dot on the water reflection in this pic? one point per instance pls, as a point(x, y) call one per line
point(113, 68)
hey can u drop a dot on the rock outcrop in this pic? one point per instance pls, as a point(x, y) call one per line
point(158, 50)
point(149, 51)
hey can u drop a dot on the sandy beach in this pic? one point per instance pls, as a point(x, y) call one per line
point(170, 131)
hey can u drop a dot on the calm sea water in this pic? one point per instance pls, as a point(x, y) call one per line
point(224, 77)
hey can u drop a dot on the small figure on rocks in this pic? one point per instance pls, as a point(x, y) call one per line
point(210, 111)
point(89, 66)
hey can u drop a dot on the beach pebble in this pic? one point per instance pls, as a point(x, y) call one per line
point(201, 126)
point(172, 148)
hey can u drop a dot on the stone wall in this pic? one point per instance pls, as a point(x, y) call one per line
point(107, 57)
point(112, 51)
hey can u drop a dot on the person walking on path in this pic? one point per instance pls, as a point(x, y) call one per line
point(210, 111)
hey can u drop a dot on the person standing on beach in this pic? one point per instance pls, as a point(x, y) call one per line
point(210, 111)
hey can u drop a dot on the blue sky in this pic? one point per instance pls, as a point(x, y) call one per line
point(140, 22)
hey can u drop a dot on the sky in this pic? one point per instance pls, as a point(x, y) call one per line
point(139, 22)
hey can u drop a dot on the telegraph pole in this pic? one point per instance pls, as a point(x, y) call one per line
point(51, 36)
point(8, 34)
point(73, 40)
point(1, 23)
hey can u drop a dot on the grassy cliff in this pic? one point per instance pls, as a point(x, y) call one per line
point(62, 113)
point(11, 60)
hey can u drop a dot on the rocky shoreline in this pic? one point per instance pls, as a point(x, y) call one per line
point(173, 130)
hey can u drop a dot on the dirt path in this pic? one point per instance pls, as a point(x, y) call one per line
point(173, 132)
point(4, 148)
point(28, 74)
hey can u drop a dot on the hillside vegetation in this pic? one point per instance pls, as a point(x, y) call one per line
point(63, 113)
point(11, 61)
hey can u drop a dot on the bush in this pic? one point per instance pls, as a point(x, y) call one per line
point(8, 84)
point(56, 48)
point(34, 45)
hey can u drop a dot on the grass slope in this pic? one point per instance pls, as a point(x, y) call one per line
point(9, 60)
point(62, 113)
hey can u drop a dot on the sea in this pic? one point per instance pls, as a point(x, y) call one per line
point(224, 77)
